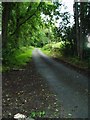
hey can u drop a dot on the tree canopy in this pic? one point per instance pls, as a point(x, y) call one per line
point(34, 24)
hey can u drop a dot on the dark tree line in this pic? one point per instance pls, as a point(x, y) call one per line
point(82, 26)
point(75, 36)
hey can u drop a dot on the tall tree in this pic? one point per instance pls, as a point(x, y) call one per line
point(76, 17)
point(81, 30)
point(5, 18)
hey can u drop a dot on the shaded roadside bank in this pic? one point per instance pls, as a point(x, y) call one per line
point(82, 70)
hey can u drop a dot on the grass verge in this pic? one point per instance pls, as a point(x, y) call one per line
point(54, 51)
point(19, 58)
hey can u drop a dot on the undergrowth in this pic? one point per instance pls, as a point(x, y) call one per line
point(18, 58)
point(56, 51)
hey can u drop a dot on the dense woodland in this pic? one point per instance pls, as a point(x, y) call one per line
point(26, 25)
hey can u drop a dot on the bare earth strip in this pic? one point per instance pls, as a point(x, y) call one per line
point(25, 91)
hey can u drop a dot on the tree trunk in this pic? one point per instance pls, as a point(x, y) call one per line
point(81, 31)
point(77, 28)
point(5, 18)
point(17, 26)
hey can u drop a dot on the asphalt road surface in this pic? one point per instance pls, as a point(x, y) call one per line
point(70, 86)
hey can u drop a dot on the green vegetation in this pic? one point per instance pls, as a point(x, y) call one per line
point(24, 55)
point(18, 58)
point(56, 50)
point(37, 114)
point(52, 49)
point(27, 24)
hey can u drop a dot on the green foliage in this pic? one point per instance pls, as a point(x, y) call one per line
point(53, 48)
point(26, 24)
point(37, 114)
point(33, 24)
point(23, 56)
point(18, 58)
point(25, 28)
point(60, 51)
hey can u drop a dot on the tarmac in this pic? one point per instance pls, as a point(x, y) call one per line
point(70, 86)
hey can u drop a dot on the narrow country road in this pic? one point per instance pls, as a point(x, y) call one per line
point(69, 86)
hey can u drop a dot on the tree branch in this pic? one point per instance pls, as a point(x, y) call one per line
point(26, 20)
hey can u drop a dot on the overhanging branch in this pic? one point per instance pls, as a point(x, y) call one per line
point(26, 20)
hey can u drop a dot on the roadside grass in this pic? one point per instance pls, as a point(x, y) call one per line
point(54, 50)
point(24, 56)
point(19, 58)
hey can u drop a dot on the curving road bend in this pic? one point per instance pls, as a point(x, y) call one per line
point(69, 86)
